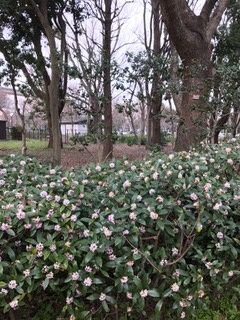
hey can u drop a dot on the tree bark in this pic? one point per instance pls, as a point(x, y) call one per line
point(156, 96)
point(55, 103)
point(191, 35)
point(107, 103)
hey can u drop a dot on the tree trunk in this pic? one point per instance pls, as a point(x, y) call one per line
point(191, 35)
point(107, 104)
point(156, 96)
point(192, 127)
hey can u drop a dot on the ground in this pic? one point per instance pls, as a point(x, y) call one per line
point(73, 156)
point(76, 157)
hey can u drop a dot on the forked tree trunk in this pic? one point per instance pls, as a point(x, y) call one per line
point(191, 35)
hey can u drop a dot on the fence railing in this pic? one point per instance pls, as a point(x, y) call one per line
point(13, 133)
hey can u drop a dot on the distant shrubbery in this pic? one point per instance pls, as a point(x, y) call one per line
point(129, 139)
point(157, 239)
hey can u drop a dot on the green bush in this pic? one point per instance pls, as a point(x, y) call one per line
point(142, 240)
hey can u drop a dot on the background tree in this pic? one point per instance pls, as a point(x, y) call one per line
point(26, 26)
point(226, 91)
point(191, 34)
point(94, 47)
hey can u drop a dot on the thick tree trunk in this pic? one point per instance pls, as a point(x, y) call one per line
point(192, 127)
point(107, 104)
point(191, 35)
point(156, 96)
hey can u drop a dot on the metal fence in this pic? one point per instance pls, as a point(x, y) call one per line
point(13, 133)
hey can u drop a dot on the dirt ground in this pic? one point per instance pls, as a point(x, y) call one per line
point(76, 158)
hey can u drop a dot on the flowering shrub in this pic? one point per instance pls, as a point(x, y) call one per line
point(120, 240)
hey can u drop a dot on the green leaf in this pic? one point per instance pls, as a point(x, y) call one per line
point(153, 293)
point(99, 261)
point(97, 281)
point(2, 284)
point(1, 269)
point(234, 252)
point(167, 293)
point(159, 306)
point(46, 254)
point(10, 253)
point(160, 224)
point(45, 283)
point(93, 297)
point(187, 281)
point(105, 306)
point(10, 232)
point(83, 314)
point(88, 257)
point(118, 240)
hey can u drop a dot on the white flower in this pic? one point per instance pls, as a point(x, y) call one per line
point(174, 251)
point(12, 284)
point(183, 303)
point(124, 279)
point(49, 275)
point(4, 292)
point(230, 161)
point(13, 304)
point(217, 206)
point(98, 168)
point(159, 199)
point(102, 297)
point(183, 315)
point(175, 287)
point(132, 216)
point(219, 235)
point(151, 191)
point(107, 232)
point(111, 165)
point(153, 215)
point(66, 202)
point(201, 293)
point(69, 300)
point(155, 176)
point(93, 247)
point(126, 184)
point(111, 194)
point(133, 206)
point(56, 265)
point(227, 185)
point(75, 276)
point(129, 295)
point(193, 196)
point(144, 293)
point(139, 198)
point(230, 273)
point(163, 262)
point(87, 282)
point(26, 272)
point(208, 265)
point(20, 215)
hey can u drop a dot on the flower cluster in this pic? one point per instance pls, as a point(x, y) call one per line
point(161, 231)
